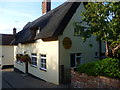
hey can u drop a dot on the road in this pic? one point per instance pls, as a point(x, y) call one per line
point(12, 79)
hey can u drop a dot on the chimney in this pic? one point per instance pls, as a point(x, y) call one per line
point(14, 31)
point(46, 6)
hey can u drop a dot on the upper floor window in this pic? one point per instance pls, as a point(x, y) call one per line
point(38, 31)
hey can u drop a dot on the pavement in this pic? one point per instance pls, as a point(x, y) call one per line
point(13, 79)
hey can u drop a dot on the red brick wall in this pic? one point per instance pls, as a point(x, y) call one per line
point(84, 81)
point(46, 6)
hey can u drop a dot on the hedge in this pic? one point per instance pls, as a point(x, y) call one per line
point(108, 67)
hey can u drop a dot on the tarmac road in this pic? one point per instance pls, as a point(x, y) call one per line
point(12, 79)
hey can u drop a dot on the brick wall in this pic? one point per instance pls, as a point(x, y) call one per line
point(84, 81)
point(46, 6)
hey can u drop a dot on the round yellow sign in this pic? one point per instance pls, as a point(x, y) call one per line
point(67, 43)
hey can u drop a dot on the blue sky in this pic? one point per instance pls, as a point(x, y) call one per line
point(17, 14)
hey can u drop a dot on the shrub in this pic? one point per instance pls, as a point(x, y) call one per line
point(108, 67)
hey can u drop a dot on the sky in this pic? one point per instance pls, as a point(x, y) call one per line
point(18, 14)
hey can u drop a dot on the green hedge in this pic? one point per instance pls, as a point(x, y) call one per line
point(108, 67)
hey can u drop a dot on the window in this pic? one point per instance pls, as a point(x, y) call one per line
point(103, 55)
point(43, 62)
point(38, 31)
point(75, 59)
point(34, 59)
point(96, 54)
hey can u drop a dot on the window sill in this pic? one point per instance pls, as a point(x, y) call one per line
point(34, 66)
point(43, 69)
point(96, 56)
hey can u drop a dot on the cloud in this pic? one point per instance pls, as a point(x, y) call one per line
point(8, 28)
point(15, 13)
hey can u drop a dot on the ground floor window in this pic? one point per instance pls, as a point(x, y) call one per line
point(75, 59)
point(43, 62)
point(34, 59)
point(96, 54)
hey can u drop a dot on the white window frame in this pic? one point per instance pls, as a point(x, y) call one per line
point(33, 56)
point(97, 55)
point(44, 63)
point(76, 58)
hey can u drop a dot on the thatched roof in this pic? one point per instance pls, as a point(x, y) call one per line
point(52, 24)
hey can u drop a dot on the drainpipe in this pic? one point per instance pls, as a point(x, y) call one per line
point(100, 49)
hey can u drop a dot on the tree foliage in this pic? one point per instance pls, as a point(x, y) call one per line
point(103, 20)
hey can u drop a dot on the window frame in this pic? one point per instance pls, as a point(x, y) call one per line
point(97, 55)
point(44, 62)
point(75, 59)
point(33, 55)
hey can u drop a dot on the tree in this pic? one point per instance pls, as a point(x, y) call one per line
point(103, 20)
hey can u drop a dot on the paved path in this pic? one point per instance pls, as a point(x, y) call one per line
point(12, 79)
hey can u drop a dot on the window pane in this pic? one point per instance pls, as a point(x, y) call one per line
point(96, 54)
point(35, 63)
point(78, 54)
point(44, 55)
point(34, 54)
point(42, 65)
point(44, 60)
point(72, 60)
point(78, 61)
point(41, 60)
point(41, 55)
point(34, 59)
point(45, 66)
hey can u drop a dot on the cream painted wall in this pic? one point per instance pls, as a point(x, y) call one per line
point(8, 55)
point(78, 46)
point(57, 55)
point(20, 66)
point(49, 48)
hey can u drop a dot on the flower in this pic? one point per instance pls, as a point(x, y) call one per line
point(23, 58)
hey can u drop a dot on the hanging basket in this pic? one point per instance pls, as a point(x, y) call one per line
point(23, 58)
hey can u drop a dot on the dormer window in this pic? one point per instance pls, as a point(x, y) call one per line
point(38, 31)
point(19, 44)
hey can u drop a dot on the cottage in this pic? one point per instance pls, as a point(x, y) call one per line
point(52, 46)
point(7, 50)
